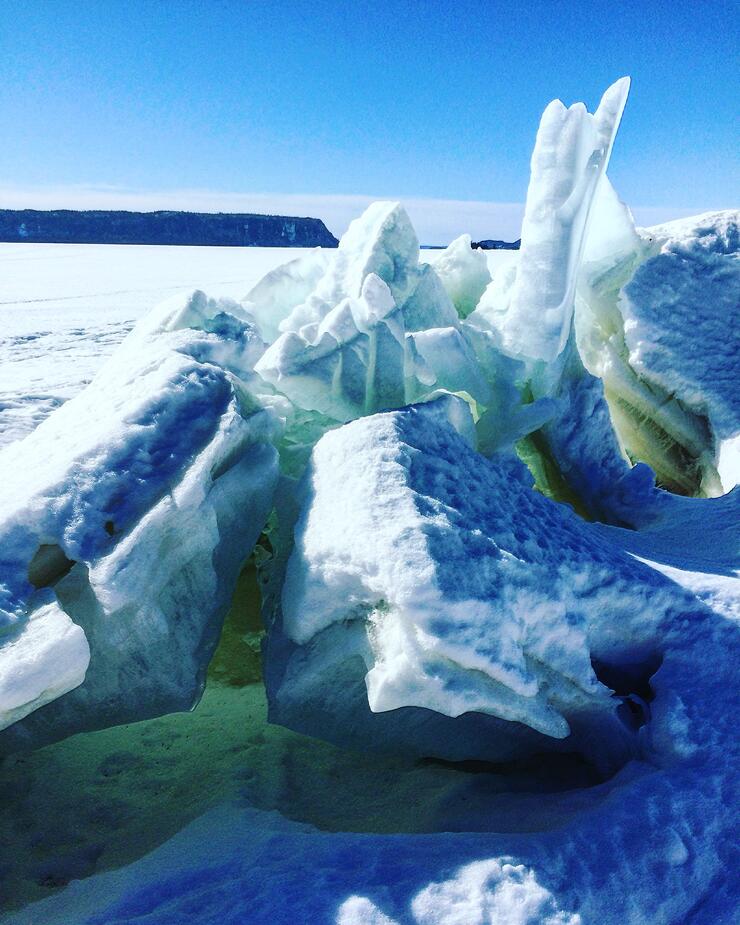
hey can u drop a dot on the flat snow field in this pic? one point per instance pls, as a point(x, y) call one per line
point(65, 307)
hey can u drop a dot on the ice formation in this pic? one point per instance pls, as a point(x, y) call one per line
point(464, 274)
point(458, 595)
point(348, 348)
point(466, 556)
point(656, 322)
point(126, 517)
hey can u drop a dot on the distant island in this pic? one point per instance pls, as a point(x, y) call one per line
point(222, 229)
point(489, 245)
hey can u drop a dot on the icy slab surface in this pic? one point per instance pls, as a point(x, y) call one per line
point(457, 594)
point(47, 660)
point(132, 508)
point(278, 293)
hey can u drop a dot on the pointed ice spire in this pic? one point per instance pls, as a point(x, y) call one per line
point(570, 156)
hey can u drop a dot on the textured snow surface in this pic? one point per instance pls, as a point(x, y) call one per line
point(465, 577)
point(693, 280)
point(461, 595)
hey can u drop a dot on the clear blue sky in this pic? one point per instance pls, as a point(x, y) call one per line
point(404, 99)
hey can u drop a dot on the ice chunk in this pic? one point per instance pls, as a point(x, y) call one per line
point(350, 363)
point(131, 510)
point(641, 300)
point(456, 594)
point(344, 351)
point(48, 658)
point(381, 241)
point(680, 313)
point(570, 156)
point(580, 251)
point(464, 274)
point(275, 296)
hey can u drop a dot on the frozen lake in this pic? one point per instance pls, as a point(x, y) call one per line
point(65, 307)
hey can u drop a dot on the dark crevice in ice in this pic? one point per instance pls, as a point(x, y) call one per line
point(48, 566)
point(629, 679)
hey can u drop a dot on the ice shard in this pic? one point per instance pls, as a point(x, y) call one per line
point(570, 157)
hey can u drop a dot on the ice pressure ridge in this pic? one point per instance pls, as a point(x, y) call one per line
point(456, 475)
point(129, 512)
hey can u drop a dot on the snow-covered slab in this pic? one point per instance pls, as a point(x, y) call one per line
point(48, 659)
point(681, 314)
point(657, 321)
point(428, 580)
point(654, 843)
point(126, 517)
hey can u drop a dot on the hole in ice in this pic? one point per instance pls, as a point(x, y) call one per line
point(48, 565)
point(549, 772)
point(237, 659)
point(632, 684)
point(110, 528)
point(628, 679)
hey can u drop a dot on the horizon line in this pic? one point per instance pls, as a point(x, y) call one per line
point(439, 218)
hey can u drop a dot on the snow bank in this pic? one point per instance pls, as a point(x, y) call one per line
point(125, 519)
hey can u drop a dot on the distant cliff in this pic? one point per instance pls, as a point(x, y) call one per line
point(65, 226)
point(489, 245)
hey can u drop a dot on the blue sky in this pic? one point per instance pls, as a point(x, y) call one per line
point(237, 104)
